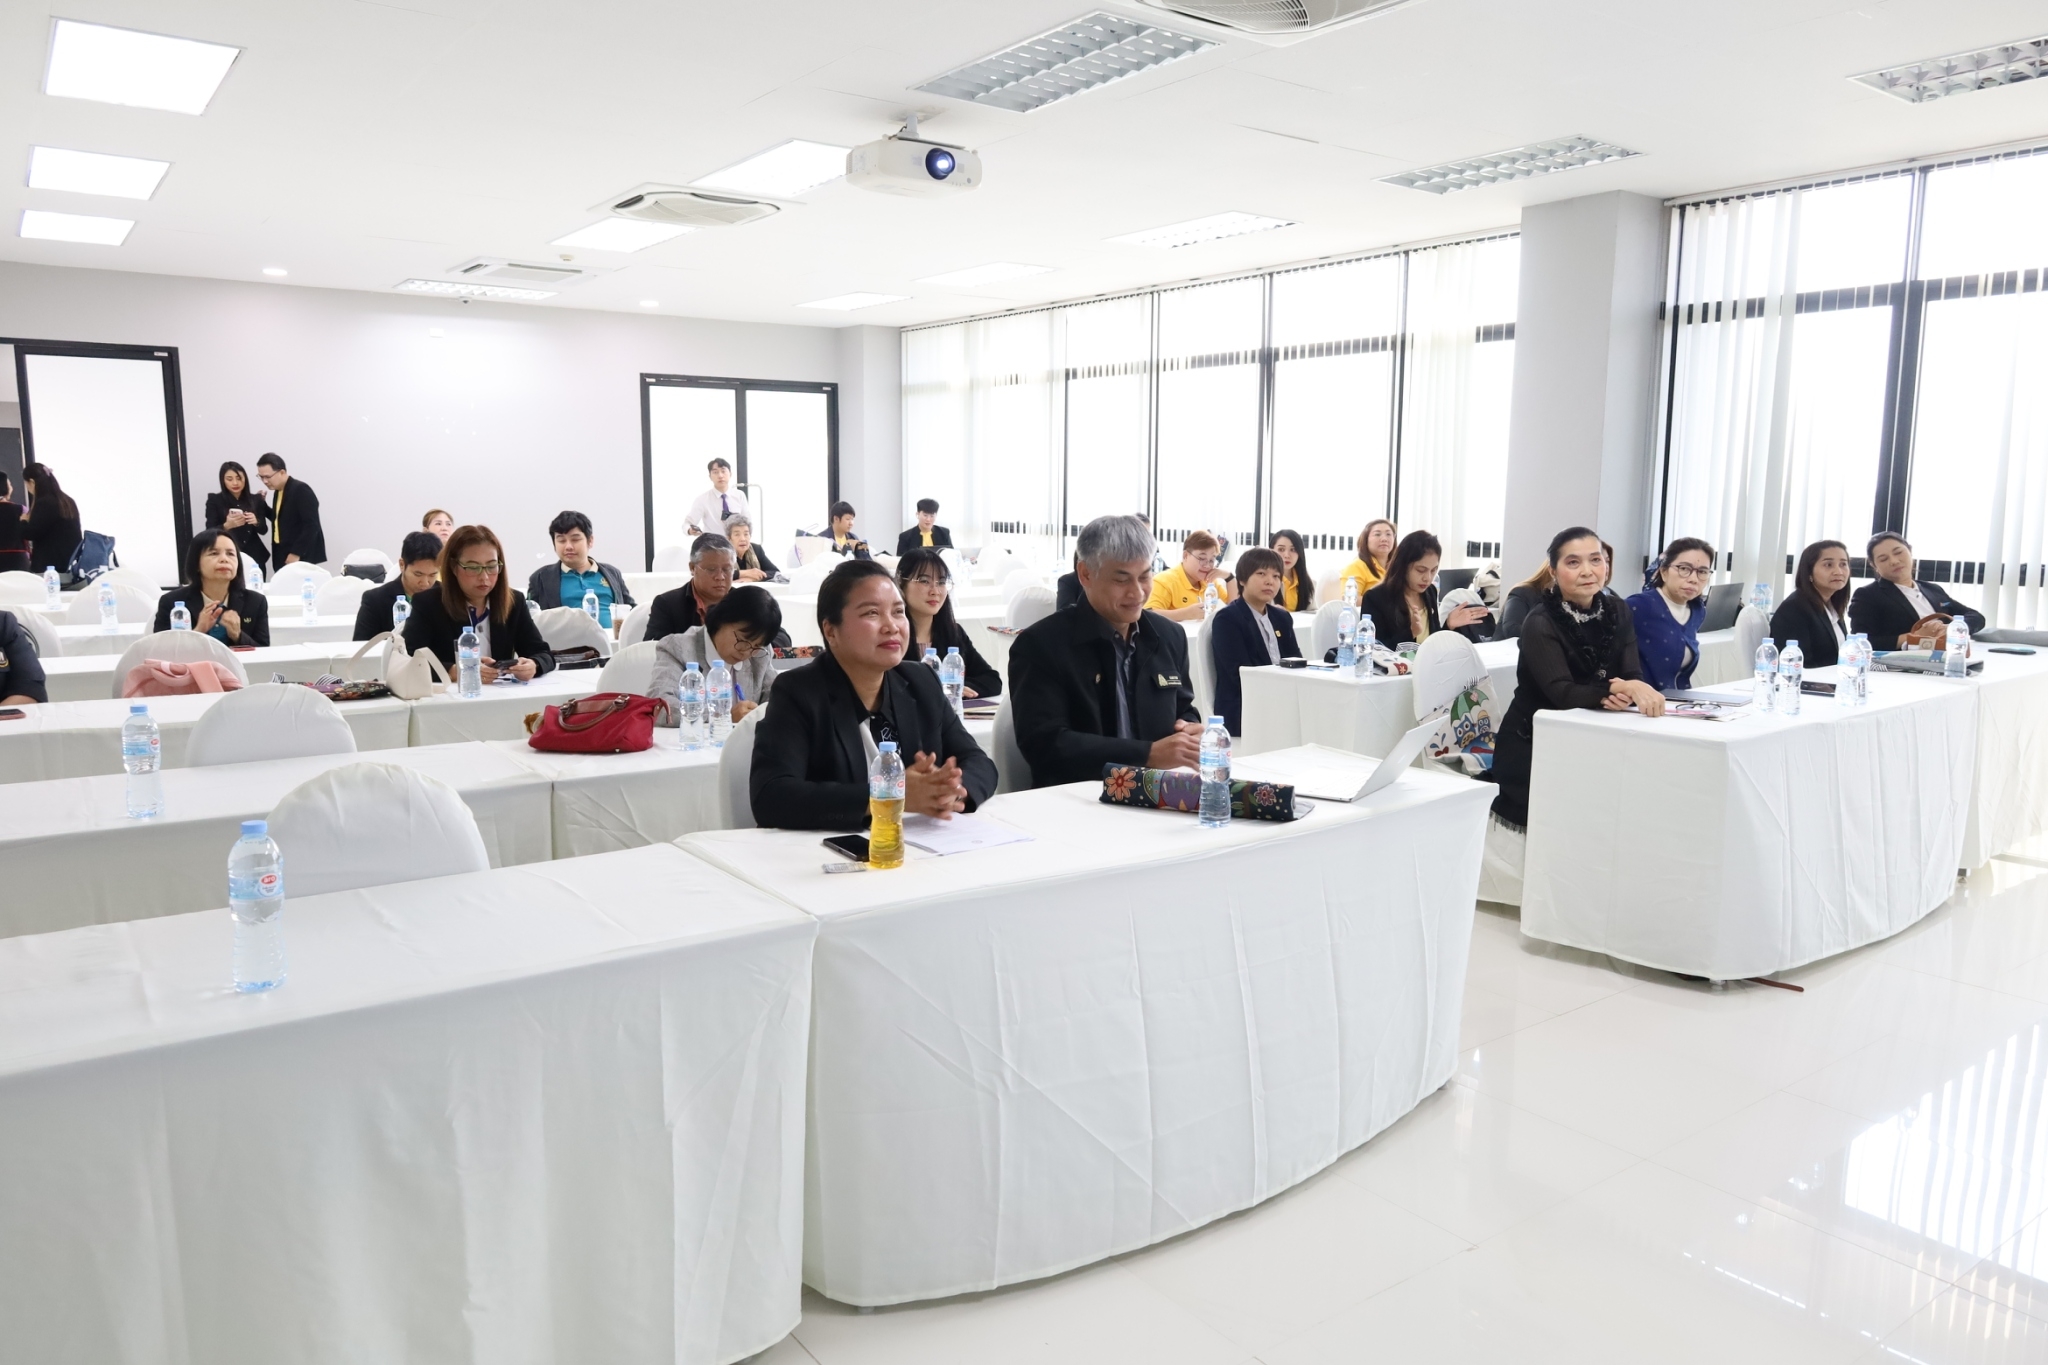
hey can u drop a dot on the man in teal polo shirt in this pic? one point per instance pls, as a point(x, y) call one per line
point(576, 572)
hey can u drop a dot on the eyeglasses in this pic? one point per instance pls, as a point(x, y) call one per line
point(925, 580)
point(1692, 571)
point(488, 566)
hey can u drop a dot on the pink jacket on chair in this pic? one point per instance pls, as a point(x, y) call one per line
point(163, 678)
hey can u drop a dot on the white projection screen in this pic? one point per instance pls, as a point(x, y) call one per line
point(108, 428)
point(782, 438)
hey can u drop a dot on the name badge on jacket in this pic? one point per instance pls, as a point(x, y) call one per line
point(1162, 680)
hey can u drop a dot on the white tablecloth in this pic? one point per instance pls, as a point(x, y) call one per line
point(291, 629)
point(1284, 707)
point(1720, 660)
point(71, 856)
point(500, 713)
point(1739, 849)
point(83, 738)
point(1037, 1056)
point(90, 677)
point(603, 802)
point(547, 1113)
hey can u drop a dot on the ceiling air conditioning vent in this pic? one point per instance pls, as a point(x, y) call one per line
point(499, 270)
point(1277, 16)
point(689, 208)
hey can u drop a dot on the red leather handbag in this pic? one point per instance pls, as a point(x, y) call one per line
point(604, 723)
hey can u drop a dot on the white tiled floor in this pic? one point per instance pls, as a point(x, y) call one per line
point(1627, 1168)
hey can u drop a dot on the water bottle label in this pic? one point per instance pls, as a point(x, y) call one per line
point(268, 883)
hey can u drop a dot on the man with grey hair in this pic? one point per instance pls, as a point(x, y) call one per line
point(711, 569)
point(1105, 681)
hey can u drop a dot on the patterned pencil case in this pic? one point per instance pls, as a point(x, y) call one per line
point(1181, 789)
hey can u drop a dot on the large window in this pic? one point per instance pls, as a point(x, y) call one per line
point(1866, 355)
point(1316, 398)
point(781, 438)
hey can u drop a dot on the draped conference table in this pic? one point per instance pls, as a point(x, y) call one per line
point(549, 1112)
point(1284, 707)
point(290, 629)
point(90, 677)
point(83, 738)
point(1731, 850)
point(1032, 1057)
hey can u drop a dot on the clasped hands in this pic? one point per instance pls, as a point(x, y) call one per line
point(929, 789)
point(1622, 693)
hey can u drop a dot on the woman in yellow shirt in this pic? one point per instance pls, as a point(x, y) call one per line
point(1375, 547)
point(1297, 589)
point(1177, 593)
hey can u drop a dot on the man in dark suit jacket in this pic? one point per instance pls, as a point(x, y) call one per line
point(1887, 609)
point(927, 534)
point(582, 572)
point(294, 515)
point(1105, 681)
point(418, 570)
point(711, 571)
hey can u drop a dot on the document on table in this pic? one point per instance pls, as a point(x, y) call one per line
point(1312, 770)
point(961, 834)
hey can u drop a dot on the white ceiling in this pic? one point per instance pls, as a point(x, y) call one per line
point(358, 143)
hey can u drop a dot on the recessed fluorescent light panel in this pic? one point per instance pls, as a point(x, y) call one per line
point(75, 227)
point(449, 289)
point(1517, 163)
point(1215, 226)
point(621, 234)
point(846, 303)
point(995, 272)
point(1079, 55)
point(141, 70)
point(781, 172)
point(116, 177)
point(1939, 77)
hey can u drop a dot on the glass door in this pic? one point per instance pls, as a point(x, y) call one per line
point(781, 438)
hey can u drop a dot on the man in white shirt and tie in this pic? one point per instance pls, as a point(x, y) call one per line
point(716, 503)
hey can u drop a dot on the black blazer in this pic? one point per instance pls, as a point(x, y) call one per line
point(913, 539)
point(756, 558)
point(53, 538)
point(982, 678)
point(432, 628)
point(1067, 592)
point(252, 607)
point(299, 533)
point(248, 539)
point(810, 769)
point(373, 614)
point(1389, 612)
point(13, 537)
point(672, 613)
point(1235, 642)
point(1546, 680)
point(1514, 609)
point(21, 672)
point(1881, 611)
point(544, 589)
point(1798, 619)
point(1063, 693)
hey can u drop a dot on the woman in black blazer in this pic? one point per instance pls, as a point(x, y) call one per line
point(53, 526)
point(1236, 638)
point(1814, 614)
point(926, 584)
point(1403, 604)
point(240, 512)
point(213, 594)
point(810, 768)
point(473, 593)
point(1891, 606)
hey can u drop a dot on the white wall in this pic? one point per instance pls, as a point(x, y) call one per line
point(512, 414)
point(871, 431)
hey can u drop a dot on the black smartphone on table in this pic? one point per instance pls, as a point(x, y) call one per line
point(12, 713)
point(1816, 689)
point(854, 846)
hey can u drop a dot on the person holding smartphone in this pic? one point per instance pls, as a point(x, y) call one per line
point(474, 595)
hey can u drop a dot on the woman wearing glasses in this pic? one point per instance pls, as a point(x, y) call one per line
point(927, 587)
point(473, 594)
point(738, 628)
point(1668, 612)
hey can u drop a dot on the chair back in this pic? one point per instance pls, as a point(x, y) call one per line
point(1448, 579)
point(369, 556)
point(571, 628)
point(956, 564)
point(18, 587)
point(286, 580)
point(1017, 580)
point(634, 628)
point(1202, 665)
point(809, 549)
point(671, 558)
point(1323, 637)
point(1446, 664)
point(133, 604)
point(1330, 588)
point(1751, 626)
point(735, 772)
point(631, 669)
point(341, 596)
point(1029, 607)
point(1013, 774)
point(134, 578)
point(49, 645)
point(269, 720)
point(1724, 603)
point(371, 824)
point(177, 647)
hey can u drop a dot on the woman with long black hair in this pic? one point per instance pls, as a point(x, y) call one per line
point(54, 529)
point(1297, 589)
point(240, 512)
point(1817, 612)
point(926, 584)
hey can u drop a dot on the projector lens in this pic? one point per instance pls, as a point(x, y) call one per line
point(938, 163)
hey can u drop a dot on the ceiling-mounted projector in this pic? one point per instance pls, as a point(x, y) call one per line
point(906, 164)
point(689, 208)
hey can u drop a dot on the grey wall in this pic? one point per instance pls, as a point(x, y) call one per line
point(509, 415)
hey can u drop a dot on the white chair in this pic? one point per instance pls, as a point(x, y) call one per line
point(1202, 667)
point(285, 582)
point(179, 647)
point(134, 578)
point(1013, 774)
point(1029, 607)
point(1323, 637)
point(341, 596)
point(630, 670)
point(371, 824)
point(134, 605)
point(1446, 664)
point(368, 556)
point(572, 628)
point(672, 559)
point(269, 720)
point(49, 645)
point(1017, 580)
point(18, 587)
point(1330, 588)
point(252, 574)
point(1751, 626)
point(634, 628)
point(735, 772)
point(810, 549)
point(955, 564)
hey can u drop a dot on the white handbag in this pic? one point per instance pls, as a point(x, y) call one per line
point(410, 676)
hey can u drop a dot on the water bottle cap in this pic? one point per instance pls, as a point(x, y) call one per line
point(1215, 720)
point(138, 709)
point(887, 746)
point(250, 827)
point(690, 667)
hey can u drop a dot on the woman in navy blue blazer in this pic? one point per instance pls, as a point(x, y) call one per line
point(1669, 610)
point(1250, 632)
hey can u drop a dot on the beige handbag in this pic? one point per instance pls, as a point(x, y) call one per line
point(410, 677)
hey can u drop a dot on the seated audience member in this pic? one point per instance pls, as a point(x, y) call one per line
point(1252, 632)
point(214, 594)
point(13, 529)
point(576, 572)
point(717, 504)
point(419, 559)
point(1375, 547)
point(844, 541)
point(711, 570)
point(751, 565)
point(1816, 614)
point(1514, 608)
point(439, 522)
point(927, 587)
point(53, 526)
point(927, 534)
point(1177, 593)
point(1105, 681)
point(240, 511)
point(1297, 589)
point(739, 629)
point(474, 594)
point(1403, 604)
point(1067, 590)
point(1896, 602)
point(21, 671)
point(1578, 650)
point(813, 746)
point(1668, 611)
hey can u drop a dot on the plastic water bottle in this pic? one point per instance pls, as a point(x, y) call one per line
point(252, 576)
point(885, 807)
point(1955, 655)
point(931, 658)
point(1791, 669)
point(1351, 593)
point(1368, 637)
point(1210, 599)
point(53, 589)
point(1766, 675)
point(307, 592)
point(142, 757)
point(953, 679)
point(1854, 688)
point(1215, 774)
point(256, 901)
point(718, 698)
point(1760, 597)
point(469, 663)
point(401, 612)
point(181, 619)
point(692, 697)
point(1347, 632)
point(590, 607)
point(110, 610)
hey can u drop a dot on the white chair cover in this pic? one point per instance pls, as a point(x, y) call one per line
point(270, 720)
point(634, 629)
point(1446, 664)
point(1017, 580)
point(371, 824)
point(1500, 866)
point(179, 647)
point(1751, 626)
point(671, 558)
point(1013, 774)
point(1202, 665)
point(571, 628)
point(955, 564)
point(134, 604)
point(810, 549)
point(49, 645)
point(1330, 588)
point(368, 556)
point(735, 770)
point(630, 670)
point(286, 580)
point(20, 588)
point(1323, 638)
point(1029, 607)
point(134, 578)
point(341, 596)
